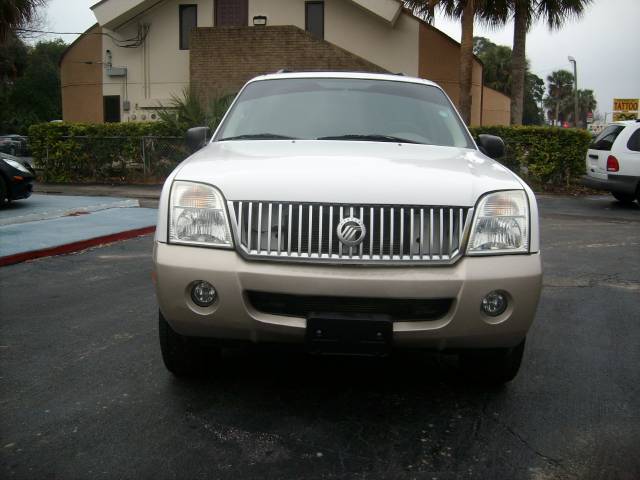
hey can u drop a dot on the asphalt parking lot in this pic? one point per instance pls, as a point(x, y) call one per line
point(84, 394)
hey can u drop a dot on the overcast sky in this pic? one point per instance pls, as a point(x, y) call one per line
point(605, 43)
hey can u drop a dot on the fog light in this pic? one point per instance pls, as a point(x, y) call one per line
point(494, 303)
point(203, 294)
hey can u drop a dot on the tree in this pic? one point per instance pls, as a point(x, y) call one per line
point(555, 13)
point(560, 86)
point(492, 12)
point(17, 13)
point(34, 94)
point(497, 75)
point(586, 103)
point(533, 96)
point(496, 60)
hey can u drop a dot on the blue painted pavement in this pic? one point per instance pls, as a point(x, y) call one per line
point(53, 221)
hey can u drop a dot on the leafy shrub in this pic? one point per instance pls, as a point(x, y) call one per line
point(542, 155)
point(189, 111)
point(110, 152)
point(129, 152)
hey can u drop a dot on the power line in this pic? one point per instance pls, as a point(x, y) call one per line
point(143, 30)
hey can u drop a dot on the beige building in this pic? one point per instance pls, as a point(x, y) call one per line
point(143, 52)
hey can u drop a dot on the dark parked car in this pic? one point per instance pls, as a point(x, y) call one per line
point(16, 180)
point(14, 144)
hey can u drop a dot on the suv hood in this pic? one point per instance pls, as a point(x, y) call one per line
point(347, 172)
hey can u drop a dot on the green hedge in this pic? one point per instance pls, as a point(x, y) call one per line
point(542, 155)
point(75, 152)
point(110, 152)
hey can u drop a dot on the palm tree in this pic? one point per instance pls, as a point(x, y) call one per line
point(586, 103)
point(17, 13)
point(560, 85)
point(555, 13)
point(493, 12)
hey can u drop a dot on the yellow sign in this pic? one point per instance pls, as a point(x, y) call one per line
point(626, 109)
point(622, 116)
point(626, 104)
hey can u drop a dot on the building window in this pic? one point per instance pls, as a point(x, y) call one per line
point(188, 21)
point(314, 19)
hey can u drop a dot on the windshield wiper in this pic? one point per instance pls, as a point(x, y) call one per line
point(373, 138)
point(258, 136)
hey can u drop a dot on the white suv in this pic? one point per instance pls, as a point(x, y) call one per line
point(613, 161)
point(351, 213)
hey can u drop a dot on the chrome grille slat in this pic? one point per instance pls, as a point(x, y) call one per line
point(299, 229)
point(307, 231)
point(250, 229)
point(279, 227)
point(269, 224)
point(320, 232)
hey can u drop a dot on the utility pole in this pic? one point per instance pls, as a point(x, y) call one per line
point(575, 92)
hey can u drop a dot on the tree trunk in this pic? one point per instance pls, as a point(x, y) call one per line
point(466, 61)
point(518, 61)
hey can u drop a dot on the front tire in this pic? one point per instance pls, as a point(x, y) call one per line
point(493, 366)
point(181, 355)
point(624, 198)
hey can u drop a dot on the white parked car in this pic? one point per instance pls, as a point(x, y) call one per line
point(613, 161)
point(351, 213)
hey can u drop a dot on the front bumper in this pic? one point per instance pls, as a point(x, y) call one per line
point(232, 317)
point(624, 184)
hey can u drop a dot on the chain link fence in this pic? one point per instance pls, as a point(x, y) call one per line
point(111, 159)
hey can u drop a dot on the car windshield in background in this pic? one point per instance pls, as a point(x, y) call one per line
point(344, 109)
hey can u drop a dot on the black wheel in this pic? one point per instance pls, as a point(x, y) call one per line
point(625, 198)
point(493, 366)
point(181, 355)
point(3, 192)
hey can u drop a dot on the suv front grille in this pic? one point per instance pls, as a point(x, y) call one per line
point(307, 231)
point(399, 309)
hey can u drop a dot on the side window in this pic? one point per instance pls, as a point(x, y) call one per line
point(605, 140)
point(188, 21)
point(634, 141)
point(314, 19)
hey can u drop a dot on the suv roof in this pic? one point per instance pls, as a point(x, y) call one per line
point(353, 75)
point(626, 122)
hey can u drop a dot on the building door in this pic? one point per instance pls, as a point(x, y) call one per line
point(232, 13)
point(111, 108)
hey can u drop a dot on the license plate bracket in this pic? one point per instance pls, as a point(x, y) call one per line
point(356, 334)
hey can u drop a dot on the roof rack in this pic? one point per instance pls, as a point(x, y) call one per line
point(284, 70)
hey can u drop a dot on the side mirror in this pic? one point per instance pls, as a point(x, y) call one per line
point(197, 137)
point(491, 146)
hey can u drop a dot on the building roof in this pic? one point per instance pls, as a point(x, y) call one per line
point(74, 43)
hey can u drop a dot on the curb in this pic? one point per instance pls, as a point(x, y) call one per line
point(75, 246)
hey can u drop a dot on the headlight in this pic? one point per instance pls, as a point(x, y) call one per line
point(197, 216)
point(17, 166)
point(500, 224)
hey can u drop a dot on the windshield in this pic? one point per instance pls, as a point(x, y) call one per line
point(344, 109)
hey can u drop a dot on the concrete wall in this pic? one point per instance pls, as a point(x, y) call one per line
point(496, 108)
point(158, 69)
point(81, 83)
point(393, 47)
point(440, 62)
point(224, 58)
